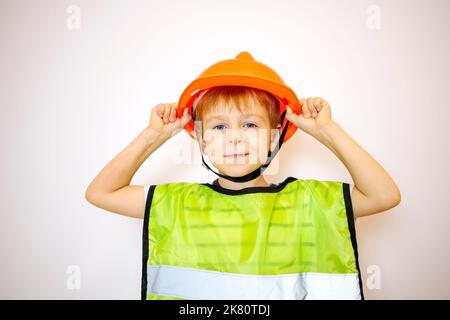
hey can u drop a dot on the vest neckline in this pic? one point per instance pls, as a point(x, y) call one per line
point(268, 189)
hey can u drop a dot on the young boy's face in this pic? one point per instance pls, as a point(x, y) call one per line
point(237, 142)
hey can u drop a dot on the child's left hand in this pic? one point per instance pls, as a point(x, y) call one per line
point(316, 114)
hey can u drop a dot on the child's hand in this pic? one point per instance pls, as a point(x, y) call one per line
point(316, 113)
point(164, 119)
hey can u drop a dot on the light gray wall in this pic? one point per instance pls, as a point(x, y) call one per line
point(71, 99)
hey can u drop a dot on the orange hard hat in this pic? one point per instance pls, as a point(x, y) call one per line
point(243, 70)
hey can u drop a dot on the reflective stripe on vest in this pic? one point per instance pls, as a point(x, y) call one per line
point(295, 240)
point(189, 283)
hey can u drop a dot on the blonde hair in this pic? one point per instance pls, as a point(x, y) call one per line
point(240, 97)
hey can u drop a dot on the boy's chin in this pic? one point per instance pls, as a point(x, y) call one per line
point(237, 170)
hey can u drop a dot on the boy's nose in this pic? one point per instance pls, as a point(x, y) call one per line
point(234, 135)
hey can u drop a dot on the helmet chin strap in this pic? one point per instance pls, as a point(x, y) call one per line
point(257, 172)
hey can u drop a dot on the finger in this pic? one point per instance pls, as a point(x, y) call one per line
point(166, 112)
point(318, 104)
point(159, 110)
point(173, 112)
point(310, 103)
point(185, 119)
point(289, 113)
point(323, 104)
point(305, 110)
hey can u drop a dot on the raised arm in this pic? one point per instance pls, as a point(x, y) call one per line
point(375, 191)
point(111, 189)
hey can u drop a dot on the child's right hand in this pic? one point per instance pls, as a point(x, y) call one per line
point(164, 119)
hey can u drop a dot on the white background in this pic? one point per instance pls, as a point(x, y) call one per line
point(71, 99)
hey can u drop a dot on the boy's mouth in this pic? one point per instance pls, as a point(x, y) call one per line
point(235, 155)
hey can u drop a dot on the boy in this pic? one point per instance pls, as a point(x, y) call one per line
point(239, 237)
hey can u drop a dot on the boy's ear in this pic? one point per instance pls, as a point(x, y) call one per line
point(199, 135)
point(274, 137)
point(197, 129)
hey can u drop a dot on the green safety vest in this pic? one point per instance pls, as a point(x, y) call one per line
point(293, 240)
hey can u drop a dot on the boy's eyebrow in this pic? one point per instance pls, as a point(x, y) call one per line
point(219, 116)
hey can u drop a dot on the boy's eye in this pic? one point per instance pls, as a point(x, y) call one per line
point(218, 126)
point(221, 126)
point(252, 125)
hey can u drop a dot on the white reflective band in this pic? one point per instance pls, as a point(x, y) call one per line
point(190, 283)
